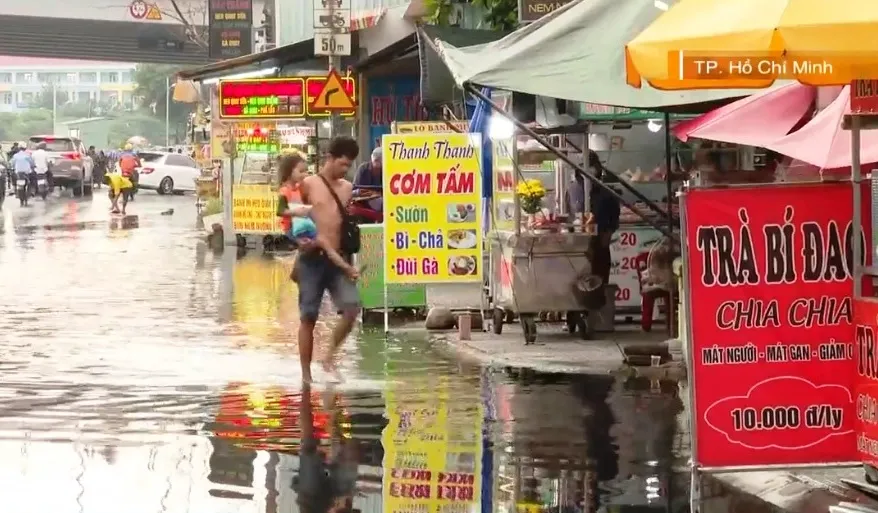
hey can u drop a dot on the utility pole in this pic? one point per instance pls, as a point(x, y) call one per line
point(167, 112)
point(332, 38)
point(54, 106)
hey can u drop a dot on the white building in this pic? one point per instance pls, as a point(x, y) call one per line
point(22, 79)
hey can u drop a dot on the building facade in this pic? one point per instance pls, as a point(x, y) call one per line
point(22, 79)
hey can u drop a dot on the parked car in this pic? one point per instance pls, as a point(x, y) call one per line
point(166, 172)
point(71, 167)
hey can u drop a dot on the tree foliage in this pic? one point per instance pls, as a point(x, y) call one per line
point(498, 14)
point(153, 93)
point(45, 100)
point(192, 14)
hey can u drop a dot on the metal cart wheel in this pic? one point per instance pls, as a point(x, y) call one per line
point(572, 319)
point(529, 326)
point(583, 327)
point(497, 320)
point(871, 474)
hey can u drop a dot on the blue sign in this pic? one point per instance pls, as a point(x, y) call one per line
point(392, 99)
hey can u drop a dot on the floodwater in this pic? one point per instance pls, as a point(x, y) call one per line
point(144, 373)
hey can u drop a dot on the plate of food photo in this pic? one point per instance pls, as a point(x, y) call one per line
point(462, 239)
point(461, 265)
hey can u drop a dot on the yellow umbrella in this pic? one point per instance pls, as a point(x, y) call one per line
point(705, 44)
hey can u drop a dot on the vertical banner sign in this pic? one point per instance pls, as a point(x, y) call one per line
point(628, 244)
point(770, 281)
point(866, 392)
point(433, 208)
point(371, 283)
point(230, 28)
point(432, 453)
point(254, 209)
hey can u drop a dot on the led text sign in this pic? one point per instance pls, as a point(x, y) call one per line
point(276, 98)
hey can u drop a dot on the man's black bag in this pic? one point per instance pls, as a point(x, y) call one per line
point(350, 231)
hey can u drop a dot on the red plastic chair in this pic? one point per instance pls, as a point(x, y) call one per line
point(647, 299)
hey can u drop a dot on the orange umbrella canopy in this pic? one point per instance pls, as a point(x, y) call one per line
point(708, 44)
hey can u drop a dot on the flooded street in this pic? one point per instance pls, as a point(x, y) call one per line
point(144, 373)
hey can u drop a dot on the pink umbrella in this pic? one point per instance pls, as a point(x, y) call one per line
point(823, 143)
point(754, 120)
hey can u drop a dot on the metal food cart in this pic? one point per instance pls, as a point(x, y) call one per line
point(538, 273)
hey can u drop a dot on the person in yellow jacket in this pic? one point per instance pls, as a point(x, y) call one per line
point(119, 185)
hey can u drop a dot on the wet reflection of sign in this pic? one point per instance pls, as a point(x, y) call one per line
point(432, 453)
point(266, 418)
point(230, 28)
point(264, 300)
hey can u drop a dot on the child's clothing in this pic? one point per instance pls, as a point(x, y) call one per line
point(288, 195)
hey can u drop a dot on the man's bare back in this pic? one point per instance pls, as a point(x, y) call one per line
point(325, 211)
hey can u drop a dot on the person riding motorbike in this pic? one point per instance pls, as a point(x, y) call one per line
point(128, 164)
point(41, 165)
point(23, 165)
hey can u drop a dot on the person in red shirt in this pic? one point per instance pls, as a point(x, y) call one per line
point(128, 164)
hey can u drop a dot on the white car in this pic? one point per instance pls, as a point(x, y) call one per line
point(166, 172)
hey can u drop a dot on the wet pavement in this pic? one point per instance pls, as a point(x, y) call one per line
point(142, 372)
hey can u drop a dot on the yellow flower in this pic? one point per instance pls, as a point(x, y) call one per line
point(531, 189)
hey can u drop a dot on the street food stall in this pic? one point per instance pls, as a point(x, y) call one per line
point(542, 253)
point(260, 120)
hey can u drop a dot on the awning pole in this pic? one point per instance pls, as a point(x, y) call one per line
point(524, 128)
point(856, 176)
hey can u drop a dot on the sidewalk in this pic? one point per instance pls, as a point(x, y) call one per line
point(556, 351)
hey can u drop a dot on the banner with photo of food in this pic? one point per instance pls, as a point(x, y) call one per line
point(432, 208)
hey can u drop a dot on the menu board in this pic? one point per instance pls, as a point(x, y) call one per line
point(230, 28)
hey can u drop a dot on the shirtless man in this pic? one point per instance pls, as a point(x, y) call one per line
point(315, 271)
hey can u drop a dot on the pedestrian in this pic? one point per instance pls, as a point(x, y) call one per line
point(328, 193)
point(295, 219)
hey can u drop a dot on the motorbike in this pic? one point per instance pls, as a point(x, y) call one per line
point(42, 185)
point(22, 189)
point(361, 212)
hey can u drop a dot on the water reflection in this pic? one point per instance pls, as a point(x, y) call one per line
point(171, 385)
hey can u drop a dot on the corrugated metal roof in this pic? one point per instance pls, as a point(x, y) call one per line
point(96, 40)
point(296, 19)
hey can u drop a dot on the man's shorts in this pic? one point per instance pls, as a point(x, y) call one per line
point(316, 274)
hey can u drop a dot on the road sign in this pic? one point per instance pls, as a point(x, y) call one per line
point(328, 42)
point(138, 9)
point(153, 13)
point(329, 18)
point(333, 95)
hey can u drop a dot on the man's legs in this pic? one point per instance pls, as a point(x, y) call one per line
point(346, 298)
point(311, 270)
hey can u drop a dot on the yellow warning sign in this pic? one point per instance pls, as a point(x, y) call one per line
point(153, 13)
point(333, 96)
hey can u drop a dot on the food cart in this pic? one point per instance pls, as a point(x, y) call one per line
point(262, 119)
point(540, 264)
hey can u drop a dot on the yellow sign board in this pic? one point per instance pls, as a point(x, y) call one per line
point(254, 209)
point(333, 96)
point(432, 208)
point(434, 127)
point(432, 454)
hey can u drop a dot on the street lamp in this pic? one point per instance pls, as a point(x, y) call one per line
point(168, 87)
